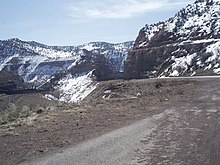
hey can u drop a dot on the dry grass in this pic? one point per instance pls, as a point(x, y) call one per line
point(26, 109)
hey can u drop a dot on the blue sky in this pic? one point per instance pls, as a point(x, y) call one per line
point(74, 22)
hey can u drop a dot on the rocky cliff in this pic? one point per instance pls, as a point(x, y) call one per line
point(184, 45)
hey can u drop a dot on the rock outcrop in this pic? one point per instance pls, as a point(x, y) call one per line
point(184, 45)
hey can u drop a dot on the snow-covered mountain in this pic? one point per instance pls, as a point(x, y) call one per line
point(37, 62)
point(186, 44)
point(42, 66)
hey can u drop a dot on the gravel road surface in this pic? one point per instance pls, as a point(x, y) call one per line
point(116, 147)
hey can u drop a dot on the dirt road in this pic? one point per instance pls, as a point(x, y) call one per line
point(186, 132)
point(117, 147)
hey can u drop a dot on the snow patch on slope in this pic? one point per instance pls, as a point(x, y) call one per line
point(215, 50)
point(183, 62)
point(180, 65)
point(49, 52)
point(32, 62)
point(217, 71)
point(74, 88)
point(8, 59)
point(89, 47)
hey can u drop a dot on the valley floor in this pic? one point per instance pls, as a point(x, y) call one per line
point(185, 127)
